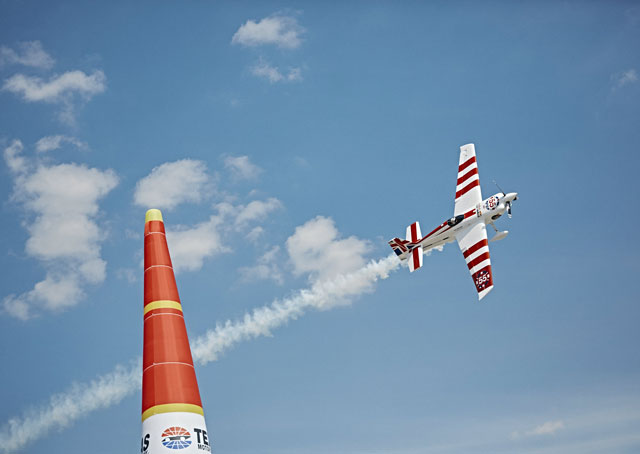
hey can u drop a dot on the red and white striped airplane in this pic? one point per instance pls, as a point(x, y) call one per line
point(467, 226)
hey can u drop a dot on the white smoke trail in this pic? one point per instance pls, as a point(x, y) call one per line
point(65, 408)
point(81, 399)
point(322, 295)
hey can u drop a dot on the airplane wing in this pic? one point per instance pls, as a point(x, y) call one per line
point(475, 248)
point(468, 193)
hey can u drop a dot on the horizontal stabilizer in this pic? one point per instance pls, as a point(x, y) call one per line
point(416, 259)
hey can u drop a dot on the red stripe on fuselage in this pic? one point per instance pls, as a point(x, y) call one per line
point(434, 230)
point(414, 233)
point(466, 164)
point(468, 214)
point(466, 176)
point(479, 259)
point(475, 247)
point(467, 188)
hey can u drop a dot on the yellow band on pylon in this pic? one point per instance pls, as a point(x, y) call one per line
point(153, 215)
point(162, 304)
point(172, 408)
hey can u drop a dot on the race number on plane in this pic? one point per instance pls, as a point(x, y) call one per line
point(467, 226)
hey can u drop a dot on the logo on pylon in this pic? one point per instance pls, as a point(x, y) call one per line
point(176, 438)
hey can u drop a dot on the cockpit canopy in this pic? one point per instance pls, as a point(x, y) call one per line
point(455, 220)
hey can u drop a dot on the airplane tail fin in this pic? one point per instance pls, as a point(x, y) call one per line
point(400, 248)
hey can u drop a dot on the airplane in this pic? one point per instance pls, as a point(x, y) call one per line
point(471, 215)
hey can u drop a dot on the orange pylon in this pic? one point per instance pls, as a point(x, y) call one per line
point(172, 415)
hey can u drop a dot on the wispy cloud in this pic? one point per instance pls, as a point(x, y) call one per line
point(173, 183)
point(256, 210)
point(50, 143)
point(266, 268)
point(187, 181)
point(65, 90)
point(241, 167)
point(279, 30)
point(29, 53)
point(623, 78)
point(14, 159)
point(273, 74)
point(80, 400)
point(547, 428)
point(192, 245)
point(34, 89)
point(61, 205)
point(128, 274)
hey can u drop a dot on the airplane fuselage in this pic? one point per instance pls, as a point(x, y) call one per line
point(486, 211)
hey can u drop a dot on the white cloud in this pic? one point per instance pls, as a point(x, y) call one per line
point(173, 183)
point(282, 31)
point(273, 74)
point(13, 157)
point(256, 210)
point(266, 268)
point(294, 75)
point(30, 53)
point(61, 202)
point(241, 167)
point(263, 69)
point(63, 90)
point(547, 428)
point(255, 234)
point(58, 88)
point(49, 143)
point(314, 248)
point(128, 274)
point(628, 77)
point(190, 246)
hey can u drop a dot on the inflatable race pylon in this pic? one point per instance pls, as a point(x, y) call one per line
point(172, 415)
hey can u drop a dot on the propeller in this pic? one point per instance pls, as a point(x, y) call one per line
point(508, 203)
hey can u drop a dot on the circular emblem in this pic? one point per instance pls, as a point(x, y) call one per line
point(492, 202)
point(482, 280)
point(176, 438)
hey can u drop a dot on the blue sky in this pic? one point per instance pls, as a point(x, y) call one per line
point(286, 142)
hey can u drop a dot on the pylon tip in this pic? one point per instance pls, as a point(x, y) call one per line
point(153, 215)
